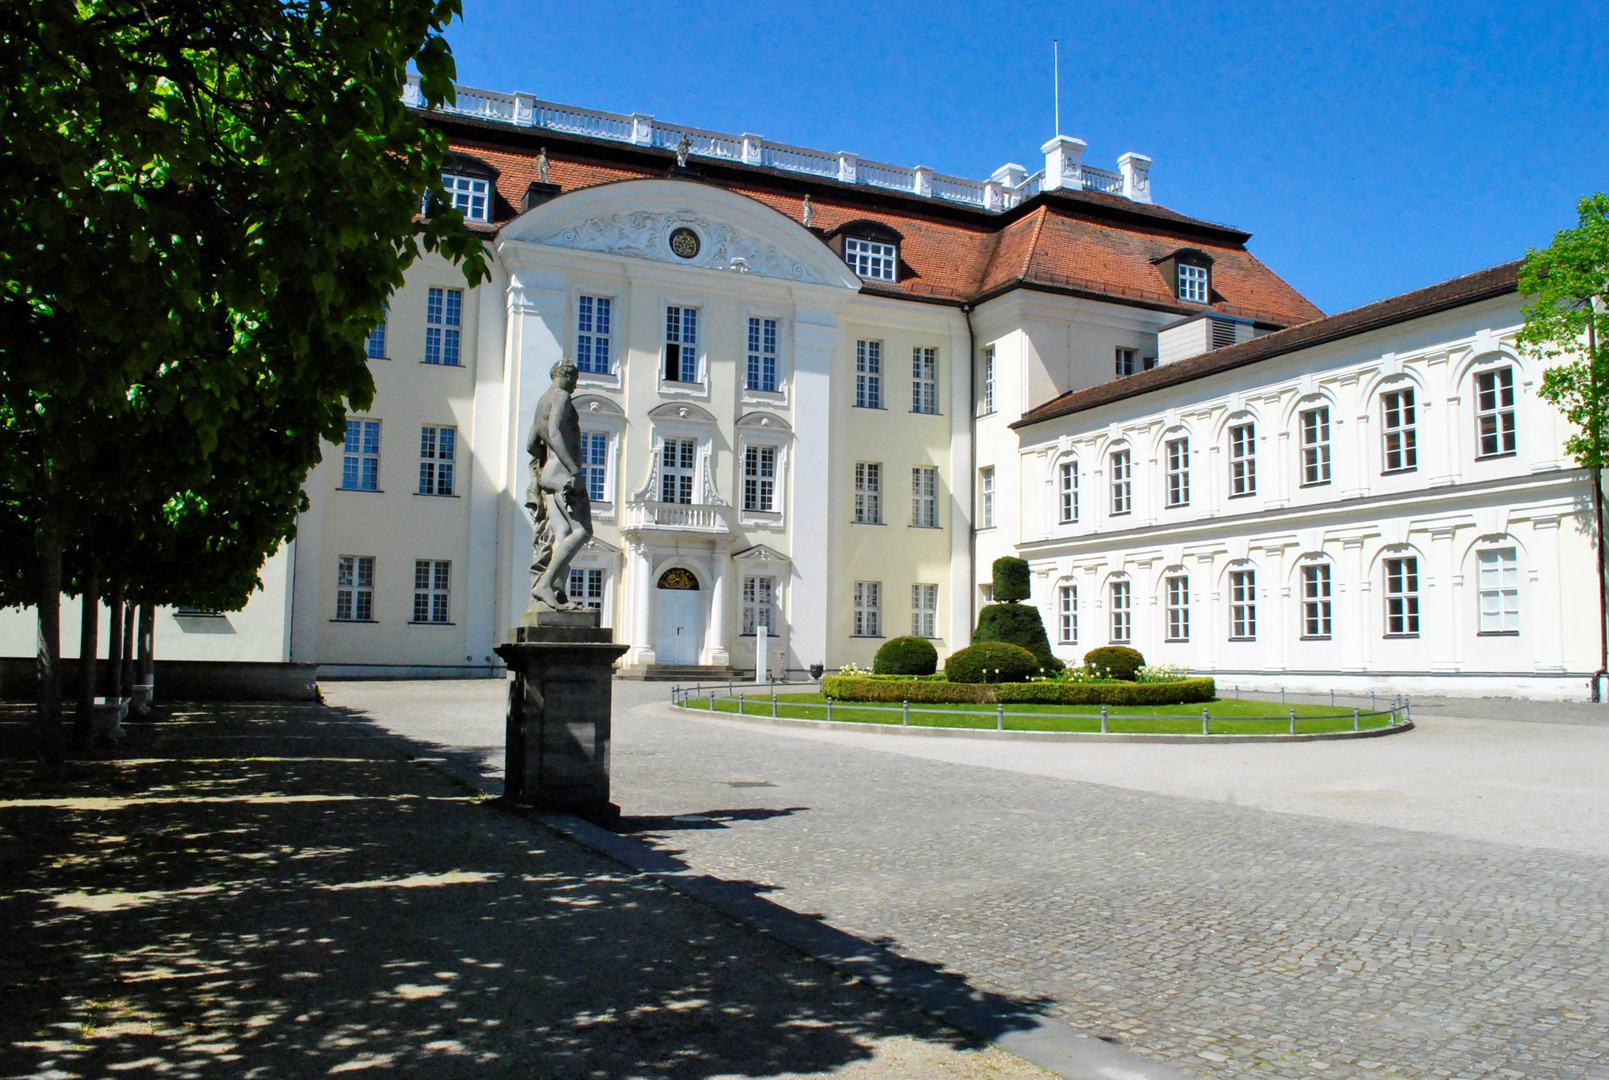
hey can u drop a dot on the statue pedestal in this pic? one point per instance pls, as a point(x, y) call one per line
point(558, 714)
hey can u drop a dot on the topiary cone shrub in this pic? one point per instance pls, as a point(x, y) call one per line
point(1016, 624)
point(1117, 661)
point(1010, 579)
point(906, 656)
point(993, 662)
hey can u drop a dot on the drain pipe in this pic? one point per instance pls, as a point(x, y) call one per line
point(972, 478)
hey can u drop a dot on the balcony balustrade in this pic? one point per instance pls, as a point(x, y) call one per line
point(680, 517)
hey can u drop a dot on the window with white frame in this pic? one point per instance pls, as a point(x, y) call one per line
point(1499, 575)
point(586, 587)
point(1177, 454)
point(360, 457)
point(1242, 460)
point(986, 497)
point(925, 497)
point(1122, 484)
point(432, 581)
point(1494, 411)
point(868, 374)
point(678, 467)
point(681, 344)
point(469, 195)
point(374, 347)
point(1067, 614)
point(1242, 605)
point(354, 588)
point(868, 493)
point(438, 447)
point(1398, 432)
point(759, 606)
point(1193, 283)
point(868, 609)
point(444, 316)
point(1402, 597)
point(760, 478)
point(1177, 591)
point(1128, 361)
point(986, 406)
point(1315, 435)
point(1122, 615)
point(1068, 492)
point(761, 369)
point(1316, 600)
point(595, 464)
point(924, 380)
point(924, 611)
point(594, 327)
point(871, 260)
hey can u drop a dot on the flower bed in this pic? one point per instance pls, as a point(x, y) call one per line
point(1173, 692)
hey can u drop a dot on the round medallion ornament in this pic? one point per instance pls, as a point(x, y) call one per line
point(678, 578)
point(684, 243)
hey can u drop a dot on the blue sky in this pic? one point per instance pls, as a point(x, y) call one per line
point(1369, 148)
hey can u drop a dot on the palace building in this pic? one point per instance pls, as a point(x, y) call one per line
point(820, 394)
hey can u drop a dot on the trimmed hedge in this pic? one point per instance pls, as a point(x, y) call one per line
point(992, 661)
point(1120, 661)
point(849, 688)
point(1011, 581)
point(1017, 624)
point(906, 656)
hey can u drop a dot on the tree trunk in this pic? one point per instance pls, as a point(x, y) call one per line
point(49, 745)
point(89, 644)
point(145, 668)
point(114, 644)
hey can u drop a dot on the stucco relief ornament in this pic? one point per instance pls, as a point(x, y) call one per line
point(557, 493)
point(680, 236)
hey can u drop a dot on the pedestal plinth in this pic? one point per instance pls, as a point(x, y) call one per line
point(558, 714)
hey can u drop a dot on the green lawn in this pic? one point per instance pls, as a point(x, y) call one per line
point(1228, 717)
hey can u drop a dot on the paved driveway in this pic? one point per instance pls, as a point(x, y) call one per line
point(1427, 904)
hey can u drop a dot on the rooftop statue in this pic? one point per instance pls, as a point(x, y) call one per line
point(557, 495)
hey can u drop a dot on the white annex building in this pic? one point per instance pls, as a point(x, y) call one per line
point(820, 395)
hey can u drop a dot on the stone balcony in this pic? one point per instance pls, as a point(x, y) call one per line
point(679, 517)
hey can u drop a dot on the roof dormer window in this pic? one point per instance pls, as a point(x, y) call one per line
point(1189, 272)
point(871, 260)
point(1193, 283)
point(468, 194)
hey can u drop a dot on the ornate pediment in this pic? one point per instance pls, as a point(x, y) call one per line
point(761, 553)
point(682, 238)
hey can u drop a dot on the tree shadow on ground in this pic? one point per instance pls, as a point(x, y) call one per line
point(269, 890)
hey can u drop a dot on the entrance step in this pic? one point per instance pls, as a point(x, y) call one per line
point(681, 673)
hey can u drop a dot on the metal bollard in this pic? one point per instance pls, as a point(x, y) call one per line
point(829, 710)
point(712, 701)
point(1354, 720)
point(1371, 701)
point(1282, 695)
point(1103, 719)
point(740, 704)
point(1332, 697)
point(1205, 721)
point(1293, 720)
point(773, 701)
point(905, 714)
point(1000, 716)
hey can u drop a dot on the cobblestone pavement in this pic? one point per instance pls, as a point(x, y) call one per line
point(1229, 940)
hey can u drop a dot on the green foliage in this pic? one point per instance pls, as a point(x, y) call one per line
point(1569, 280)
point(1017, 624)
point(1187, 691)
point(1011, 581)
point(930, 691)
point(906, 656)
point(1117, 661)
point(992, 662)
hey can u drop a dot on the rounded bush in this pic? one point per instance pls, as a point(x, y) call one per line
point(1119, 661)
point(906, 656)
point(993, 662)
point(1010, 579)
point(1016, 624)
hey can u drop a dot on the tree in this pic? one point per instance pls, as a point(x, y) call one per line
point(204, 205)
point(1567, 326)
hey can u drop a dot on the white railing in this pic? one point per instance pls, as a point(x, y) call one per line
point(798, 159)
point(956, 189)
point(487, 103)
point(703, 143)
point(600, 125)
point(1101, 180)
point(894, 177)
point(695, 517)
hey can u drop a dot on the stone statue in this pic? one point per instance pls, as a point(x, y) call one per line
point(683, 146)
point(807, 212)
point(557, 495)
point(542, 166)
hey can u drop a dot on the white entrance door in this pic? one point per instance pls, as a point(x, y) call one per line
point(680, 626)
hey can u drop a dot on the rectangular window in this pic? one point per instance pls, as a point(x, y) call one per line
point(1178, 595)
point(868, 609)
point(437, 448)
point(1242, 460)
point(1402, 597)
point(681, 344)
point(374, 348)
point(870, 260)
point(1122, 486)
point(1316, 600)
point(1315, 431)
point(595, 464)
point(1193, 283)
point(1122, 616)
point(986, 497)
point(924, 380)
point(594, 320)
point(431, 581)
point(762, 355)
point(1499, 591)
point(360, 457)
point(924, 611)
point(759, 606)
point(1128, 361)
point(678, 464)
point(1397, 429)
point(444, 311)
point(869, 374)
point(1067, 609)
point(1178, 459)
point(760, 478)
point(586, 588)
point(469, 195)
point(354, 588)
point(925, 497)
point(868, 493)
point(1494, 411)
point(1069, 492)
point(988, 381)
point(1242, 605)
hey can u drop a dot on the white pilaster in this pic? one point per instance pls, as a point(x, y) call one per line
point(485, 489)
point(640, 617)
point(815, 339)
point(1546, 624)
point(715, 650)
point(1442, 626)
